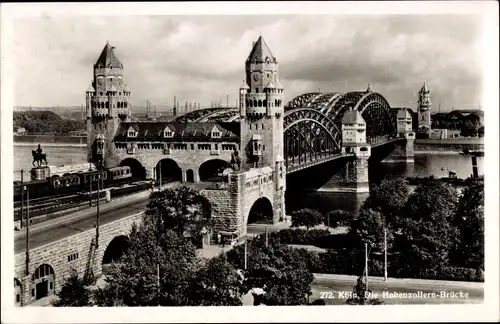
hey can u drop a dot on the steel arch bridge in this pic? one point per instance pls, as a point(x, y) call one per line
point(313, 123)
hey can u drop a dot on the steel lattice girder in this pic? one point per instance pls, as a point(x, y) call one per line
point(194, 115)
point(220, 114)
point(301, 115)
point(301, 101)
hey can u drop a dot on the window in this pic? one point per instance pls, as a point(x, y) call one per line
point(192, 146)
point(51, 285)
point(100, 93)
point(18, 298)
point(216, 146)
point(262, 126)
point(256, 90)
point(32, 292)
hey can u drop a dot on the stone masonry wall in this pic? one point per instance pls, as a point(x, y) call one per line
point(185, 159)
point(56, 254)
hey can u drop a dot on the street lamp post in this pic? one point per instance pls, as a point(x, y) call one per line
point(27, 231)
point(385, 254)
point(22, 197)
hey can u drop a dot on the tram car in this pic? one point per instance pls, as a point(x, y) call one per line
point(70, 183)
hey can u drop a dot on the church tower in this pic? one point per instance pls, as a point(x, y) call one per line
point(424, 110)
point(107, 104)
point(261, 110)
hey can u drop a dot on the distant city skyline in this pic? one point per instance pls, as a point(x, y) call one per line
point(201, 59)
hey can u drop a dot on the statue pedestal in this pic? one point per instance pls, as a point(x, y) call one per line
point(40, 173)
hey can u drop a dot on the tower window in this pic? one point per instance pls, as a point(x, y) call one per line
point(256, 90)
point(100, 93)
point(260, 103)
point(265, 103)
point(119, 93)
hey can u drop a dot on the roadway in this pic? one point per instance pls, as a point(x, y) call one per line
point(64, 226)
point(335, 289)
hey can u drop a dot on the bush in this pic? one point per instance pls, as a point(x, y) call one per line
point(338, 218)
point(306, 217)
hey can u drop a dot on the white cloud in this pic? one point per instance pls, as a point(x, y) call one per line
point(201, 58)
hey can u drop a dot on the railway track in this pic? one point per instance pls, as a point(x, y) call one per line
point(56, 204)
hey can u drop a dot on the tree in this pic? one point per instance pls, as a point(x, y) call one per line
point(428, 233)
point(306, 217)
point(282, 272)
point(369, 227)
point(183, 210)
point(73, 293)
point(388, 198)
point(134, 281)
point(338, 217)
point(470, 221)
point(217, 283)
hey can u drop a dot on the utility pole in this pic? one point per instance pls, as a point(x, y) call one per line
point(245, 253)
point(385, 254)
point(90, 183)
point(97, 220)
point(366, 266)
point(22, 197)
point(27, 232)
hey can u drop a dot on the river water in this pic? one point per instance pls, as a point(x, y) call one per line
point(425, 165)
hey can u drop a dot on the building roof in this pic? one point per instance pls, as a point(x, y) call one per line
point(182, 131)
point(424, 88)
point(270, 85)
point(90, 89)
point(260, 52)
point(404, 113)
point(108, 58)
point(352, 117)
point(244, 85)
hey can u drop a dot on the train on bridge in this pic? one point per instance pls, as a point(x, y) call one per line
point(72, 181)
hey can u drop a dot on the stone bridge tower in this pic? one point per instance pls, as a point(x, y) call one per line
point(107, 104)
point(261, 109)
point(424, 110)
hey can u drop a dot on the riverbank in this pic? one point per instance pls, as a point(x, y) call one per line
point(49, 139)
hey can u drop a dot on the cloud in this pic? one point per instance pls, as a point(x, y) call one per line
point(201, 58)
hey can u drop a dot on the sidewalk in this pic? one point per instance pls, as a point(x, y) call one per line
point(404, 282)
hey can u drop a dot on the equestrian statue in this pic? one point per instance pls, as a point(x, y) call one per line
point(39, 157)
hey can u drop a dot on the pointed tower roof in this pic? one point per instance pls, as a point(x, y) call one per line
point(424, 88)
point(260, 52)
point(244, 85)
point(353, 117)
point(108, 58)
point(278, 84)
point(90, 89)
point(270, 85)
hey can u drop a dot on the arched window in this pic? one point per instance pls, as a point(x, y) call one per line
point(260, 103)
point(102, 104)
point(265, 103)
point(125, 104)
point(276, 102)
point(107, 104)
point(255, 102)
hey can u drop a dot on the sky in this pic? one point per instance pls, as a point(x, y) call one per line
point(201, 58)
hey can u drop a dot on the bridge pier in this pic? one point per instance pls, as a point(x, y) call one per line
point(403, 152)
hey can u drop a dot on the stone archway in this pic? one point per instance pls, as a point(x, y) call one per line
point(42, 282)
point(261, 212)
point(168, 170)
point(115, 250)
point(211, 170)
point(17, 292)
point(190, 175)
point(137, 169)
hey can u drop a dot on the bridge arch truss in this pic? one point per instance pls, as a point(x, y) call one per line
point(374, 108)
point(309, 137)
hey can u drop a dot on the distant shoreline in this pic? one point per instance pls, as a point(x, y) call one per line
point(24, 144)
